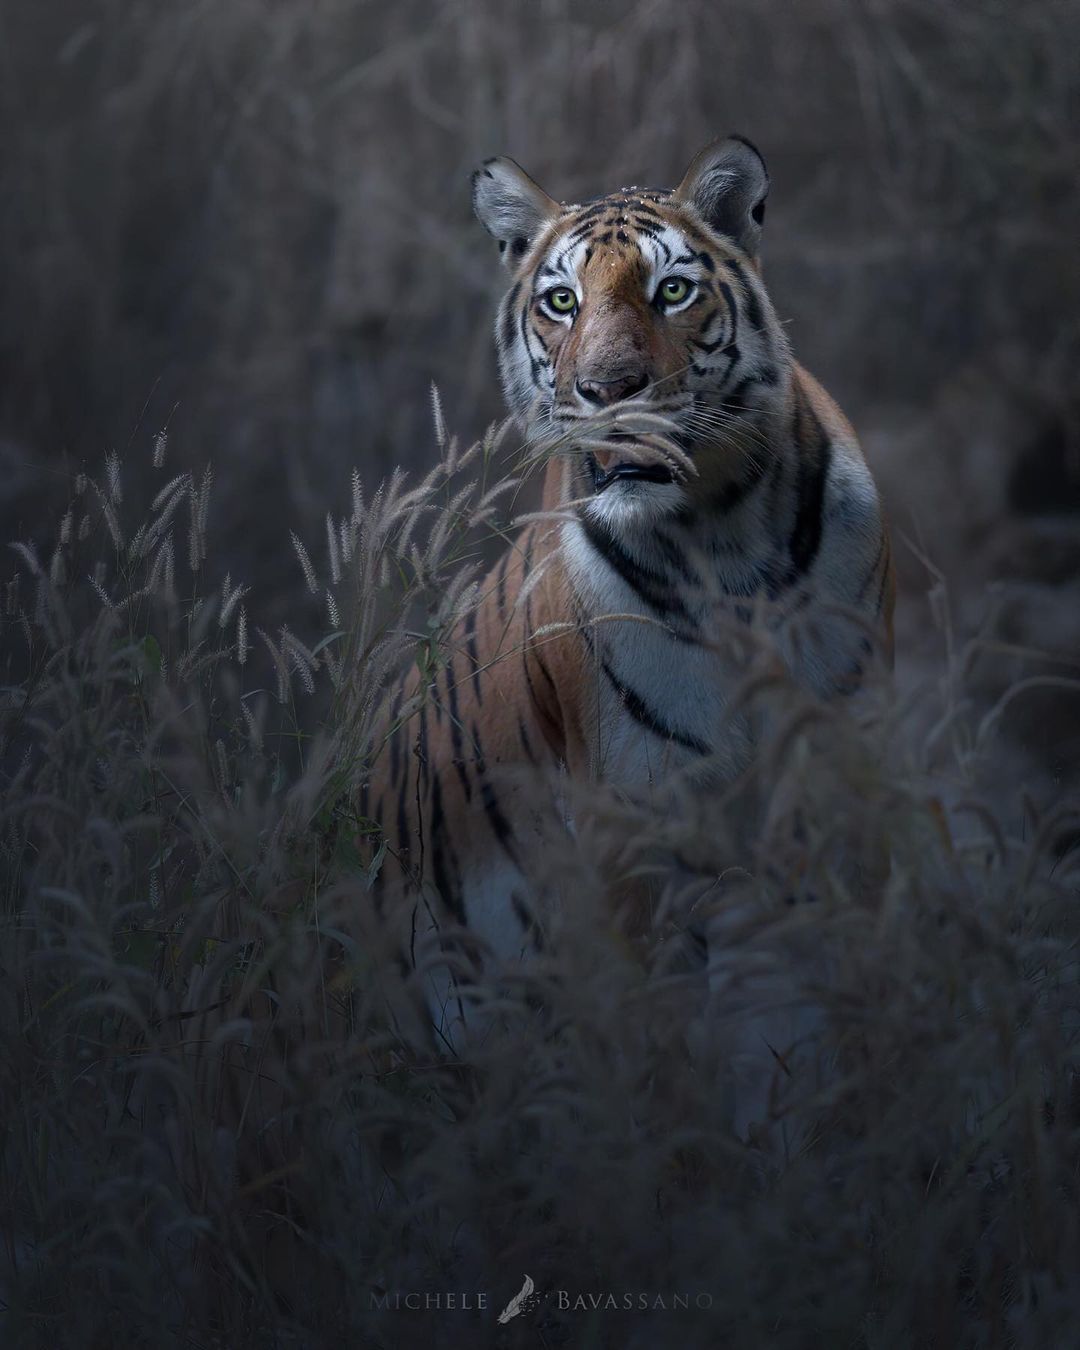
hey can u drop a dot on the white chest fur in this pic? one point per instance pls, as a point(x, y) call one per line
point(655, 701)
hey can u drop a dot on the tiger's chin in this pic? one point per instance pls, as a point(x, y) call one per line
point(635, 504)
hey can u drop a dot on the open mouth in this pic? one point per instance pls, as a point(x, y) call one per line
point(642, 473)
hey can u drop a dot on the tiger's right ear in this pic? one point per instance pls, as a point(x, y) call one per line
point(510, 206)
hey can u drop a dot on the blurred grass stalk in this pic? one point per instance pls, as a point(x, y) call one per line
point(211, 1136)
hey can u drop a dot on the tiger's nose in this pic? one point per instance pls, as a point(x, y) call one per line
point(603, 392)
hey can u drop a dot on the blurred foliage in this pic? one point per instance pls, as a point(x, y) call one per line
point(212, 1134)
point(259, 211)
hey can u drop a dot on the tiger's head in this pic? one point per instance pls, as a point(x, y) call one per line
point(640, 302)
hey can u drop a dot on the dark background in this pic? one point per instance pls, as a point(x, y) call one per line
point(250, 221)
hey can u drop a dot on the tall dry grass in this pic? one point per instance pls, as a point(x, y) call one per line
point(211, 1136)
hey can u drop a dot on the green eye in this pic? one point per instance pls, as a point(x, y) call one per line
point(674, 290)
point(562, 300)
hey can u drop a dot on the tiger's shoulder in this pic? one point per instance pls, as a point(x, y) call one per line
point(856, 564)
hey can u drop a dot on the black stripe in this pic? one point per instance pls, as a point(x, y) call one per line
point(666, 251)
point(526, 744)
point(501, 826)
point(534, 363)
point(731, 494)
point(815, 452)
point(526, 543)
point(753, 310)
point(529, 682)
point(396, 733)
point(529, 649)
point(455, 732)
point(640, 711)
point(592, 212)
point(451, 893)
point(535, 649)
point(654, 588)
point(500, 590)
point(709, 347)
point(508, 315)
point(729, 299)
point(474, 656)
point(754, 315)
point(734, 400)
point(707, 320)
point(579, 232)
point(436, 699)
point(883, 587)
point(676, 557)
point(734, 355)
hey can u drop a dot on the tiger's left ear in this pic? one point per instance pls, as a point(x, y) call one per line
point(510, 206)
point(728, 183)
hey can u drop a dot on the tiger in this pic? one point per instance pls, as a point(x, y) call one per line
point(591, 653)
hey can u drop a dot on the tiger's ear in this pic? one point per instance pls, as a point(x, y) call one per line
point(728, 183)
point(510, 206)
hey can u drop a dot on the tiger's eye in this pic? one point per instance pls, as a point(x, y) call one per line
point(674, 290)
point(562, 300)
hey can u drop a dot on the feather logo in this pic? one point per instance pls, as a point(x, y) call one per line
point(521, 1302)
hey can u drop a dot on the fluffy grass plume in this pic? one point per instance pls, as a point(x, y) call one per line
point(210, 1134)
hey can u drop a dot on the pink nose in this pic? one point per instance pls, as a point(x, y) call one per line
point(604, 392)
